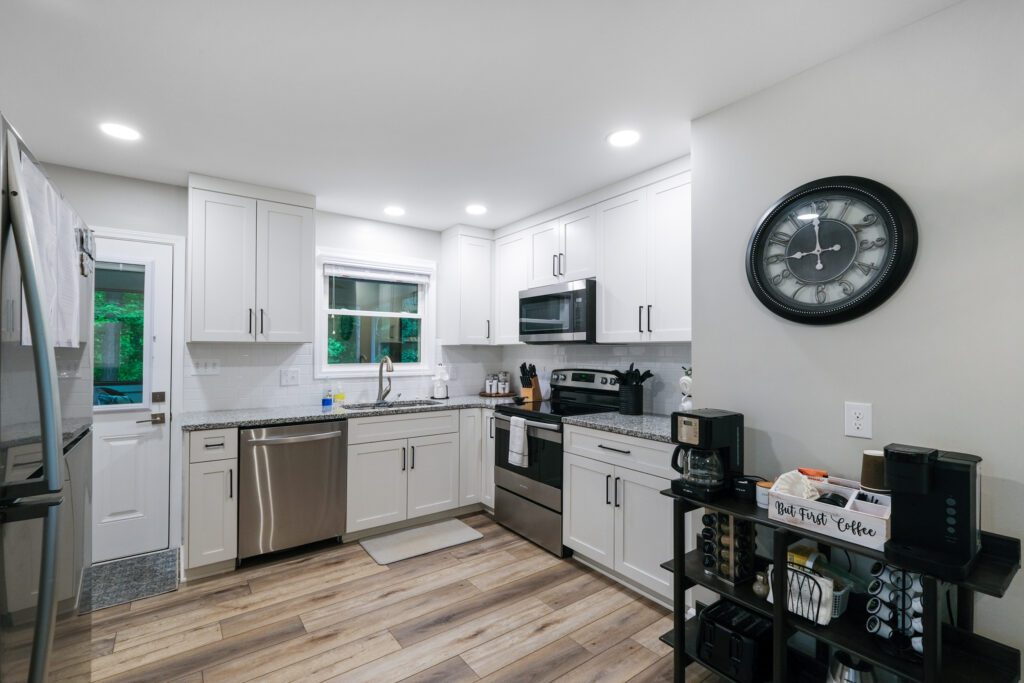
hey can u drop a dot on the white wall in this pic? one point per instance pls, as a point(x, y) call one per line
point(935, 111)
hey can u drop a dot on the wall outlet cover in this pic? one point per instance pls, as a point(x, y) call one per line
point(857, 420)
point(289, 377)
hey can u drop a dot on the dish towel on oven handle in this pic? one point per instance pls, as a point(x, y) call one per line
point(517, 448)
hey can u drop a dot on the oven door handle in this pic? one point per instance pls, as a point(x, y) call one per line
point(531, 423)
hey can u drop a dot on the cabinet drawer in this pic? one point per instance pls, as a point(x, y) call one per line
point(652, 457)
point(407, 426)
point(213, 444)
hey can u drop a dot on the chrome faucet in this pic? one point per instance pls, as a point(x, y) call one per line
point(385, 364)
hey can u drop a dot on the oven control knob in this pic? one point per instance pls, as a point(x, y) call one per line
point(604, 380)
point(613, 380)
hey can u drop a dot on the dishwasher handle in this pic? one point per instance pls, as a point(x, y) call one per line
point(278, 440)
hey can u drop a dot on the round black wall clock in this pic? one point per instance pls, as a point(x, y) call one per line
point(831, 250)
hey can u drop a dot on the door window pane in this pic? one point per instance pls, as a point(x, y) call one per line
point(367, 339)
point(373, 295)
point(119, 334)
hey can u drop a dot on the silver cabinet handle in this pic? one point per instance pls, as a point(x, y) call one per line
point(488, 329)
point(614, 450)
point(156, 419)
point(640, 318)
point(607, 495)
point(261, 321)
point(295, 439)
point(250, 321)
point(403, 458)
point(561, 264)
point(492, 427)
point(649, 318)
point(617, 492)
point(554, 265)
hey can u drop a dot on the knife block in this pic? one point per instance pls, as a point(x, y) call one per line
point(532, 394)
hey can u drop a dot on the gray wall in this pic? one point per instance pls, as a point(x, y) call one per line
point(935, 111)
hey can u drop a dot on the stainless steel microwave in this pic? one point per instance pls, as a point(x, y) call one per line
point(565, 312)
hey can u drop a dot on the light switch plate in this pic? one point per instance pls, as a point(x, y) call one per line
point(858, 420)
point(289, 377)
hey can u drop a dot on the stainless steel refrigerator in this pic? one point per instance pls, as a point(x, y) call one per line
point(46, 304)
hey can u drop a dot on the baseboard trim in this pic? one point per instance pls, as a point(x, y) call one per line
point(416, 521)
point(624, 581)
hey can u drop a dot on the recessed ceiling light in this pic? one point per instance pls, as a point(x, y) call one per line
point(394, 210)
point(119, 131)
point(623, 138)
point(807, 216)
point(476, 209)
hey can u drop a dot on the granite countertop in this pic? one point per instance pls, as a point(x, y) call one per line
point(653, 427)
point(28, 433)
point(262, 417)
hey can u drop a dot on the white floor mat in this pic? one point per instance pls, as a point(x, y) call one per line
point(401, 545)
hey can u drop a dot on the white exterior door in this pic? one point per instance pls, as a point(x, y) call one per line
point(487, 495)
point(668, 260)
point(212, 512)
point(544, 244)
point(433, 474)
point(643, 530)
point(588, 525)
point(377, 483)
point(580, 246)
point(511, 275)
point(223, 267)
point(475, 324)
point(285, 237)
point(622, 297)
point(131, 455)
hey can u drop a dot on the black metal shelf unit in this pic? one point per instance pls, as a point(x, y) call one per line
point(952, 652)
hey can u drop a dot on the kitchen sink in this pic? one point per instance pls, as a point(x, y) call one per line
point(389, 404)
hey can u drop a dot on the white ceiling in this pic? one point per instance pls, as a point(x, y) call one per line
point(427, 104)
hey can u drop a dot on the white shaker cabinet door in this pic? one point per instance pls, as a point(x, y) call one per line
point(511, 275)
point(433, 474)
point(588, 511)
point(621, 295)
point(669, 291)
point(222, 273)
point(212, 512)
point(578, 258)
point(487, 495)
point(545, 243)
point(470, 451)
point(285, 237)
point(377, 476)
point(475, 319)
point(643, 529)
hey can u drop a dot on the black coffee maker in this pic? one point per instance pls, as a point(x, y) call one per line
point(711, 445)
point(934, 525)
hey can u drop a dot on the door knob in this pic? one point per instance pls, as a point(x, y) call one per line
point(156, 419)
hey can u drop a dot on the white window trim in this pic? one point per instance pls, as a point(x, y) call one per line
point(321, 370)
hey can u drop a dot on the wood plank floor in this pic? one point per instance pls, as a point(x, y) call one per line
point(495, 609)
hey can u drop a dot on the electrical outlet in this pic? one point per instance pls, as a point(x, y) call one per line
point(206, 367)
point(858, 420)
point(289, 377)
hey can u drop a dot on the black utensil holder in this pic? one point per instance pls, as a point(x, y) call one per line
point(631, 399)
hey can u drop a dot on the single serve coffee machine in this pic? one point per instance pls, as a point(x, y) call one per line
point(934, 527)
point(709, 454)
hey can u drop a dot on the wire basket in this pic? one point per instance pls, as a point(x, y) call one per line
point(806, 590)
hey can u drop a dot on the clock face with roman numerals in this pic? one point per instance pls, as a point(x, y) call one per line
point(831, 250)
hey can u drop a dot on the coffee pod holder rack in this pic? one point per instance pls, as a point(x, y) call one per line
point(896, 608)
point(946, 649)
point(728, 548)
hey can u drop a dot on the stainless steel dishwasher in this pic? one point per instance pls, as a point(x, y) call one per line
point(291, 488)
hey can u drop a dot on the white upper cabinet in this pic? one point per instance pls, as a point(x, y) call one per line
point(465, 280)
point(578, 256)
point(644, 288)
point(511, 275)
point(544, 247)
point(222, 247)
point(669, 291)
point(622, 287)
point(285, 243)
point(250, 269)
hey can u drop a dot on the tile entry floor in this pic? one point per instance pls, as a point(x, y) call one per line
point(494, 609)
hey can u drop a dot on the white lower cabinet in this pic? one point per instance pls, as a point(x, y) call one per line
point(470, 461)
point(377, 484)
point(433, 474)
point(398, 479)
point(617, 518)
point(212, 512)
point(487, 461)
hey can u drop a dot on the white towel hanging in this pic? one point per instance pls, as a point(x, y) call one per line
point(518, 454)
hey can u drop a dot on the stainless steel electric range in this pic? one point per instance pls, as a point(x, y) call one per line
point(528, 500)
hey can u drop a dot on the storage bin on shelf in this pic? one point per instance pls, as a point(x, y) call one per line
point(811, 595)
point(862, 522)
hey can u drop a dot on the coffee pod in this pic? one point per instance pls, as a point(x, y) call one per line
point(709, 519)
point(708, 533)
point(872, 472)
point(882, 609)
point(882, 588)
point(890, 574)
point(912, 583)
point(879, 627)
point(917, 643)
point(908, 624)
point(915, 605)
point(708, 547)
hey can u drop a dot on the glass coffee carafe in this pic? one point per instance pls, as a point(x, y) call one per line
point(704, 467)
